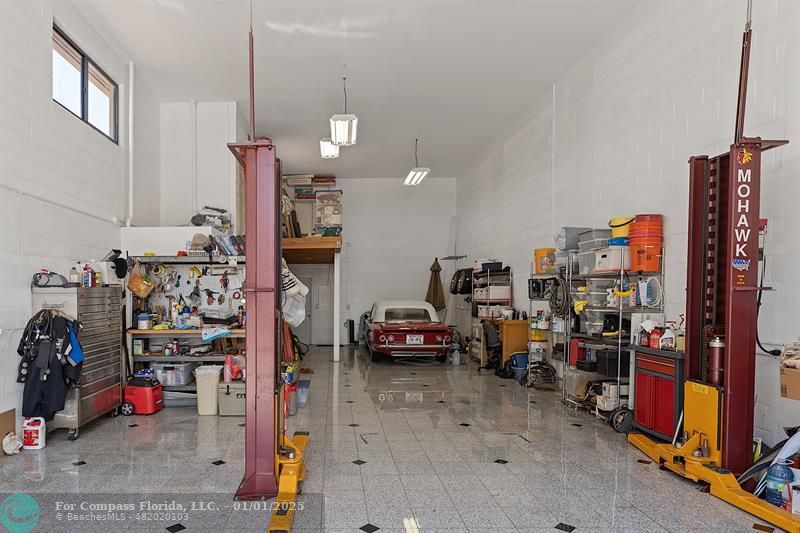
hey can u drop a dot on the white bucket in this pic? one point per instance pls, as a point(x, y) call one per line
point(207, 378)
point(33, 433)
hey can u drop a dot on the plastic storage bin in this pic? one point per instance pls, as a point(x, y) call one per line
point(594, 328)
point(232, 398)
point(586, 263)
point(175, 374)
point(179, 399)
point(207, 383)
point(567, 238)
point(562, 258)
point(613, 259)
point(600, 284)
point(592, 244)
point(607, 362)
point(594, 234)
point(597, 299)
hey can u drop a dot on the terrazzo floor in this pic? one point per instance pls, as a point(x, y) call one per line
point(399, 446)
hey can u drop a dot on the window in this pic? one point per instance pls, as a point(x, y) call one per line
point(407, 314)
point(82, 87)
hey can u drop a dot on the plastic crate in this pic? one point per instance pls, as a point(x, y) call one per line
point(174, 374)
point(594, 234)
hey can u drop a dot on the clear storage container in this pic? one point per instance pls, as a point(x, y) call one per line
point(174, 374)
point(592, 244)
point(594, 328)
point(595, 315)
point(586, 262)
point(567, 238)
point(594, 234)
point(600, 284)
point(562, 259)
point(597, 299)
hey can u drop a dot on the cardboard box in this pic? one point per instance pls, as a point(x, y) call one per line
point(8, 423)
point(790, 383)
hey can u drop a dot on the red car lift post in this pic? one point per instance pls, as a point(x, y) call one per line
point(262, 258)
point(273, 462)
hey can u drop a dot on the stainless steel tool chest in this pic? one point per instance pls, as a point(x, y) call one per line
point(101, 383)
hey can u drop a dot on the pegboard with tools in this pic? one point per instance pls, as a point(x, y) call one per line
point(209, 291)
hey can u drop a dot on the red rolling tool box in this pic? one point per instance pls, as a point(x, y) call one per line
point(143, 396)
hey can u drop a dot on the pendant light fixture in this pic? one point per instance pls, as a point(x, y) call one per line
point(417, 173)
point(327, 149)
point(344, 127)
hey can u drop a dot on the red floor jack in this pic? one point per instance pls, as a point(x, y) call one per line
point(721, 320)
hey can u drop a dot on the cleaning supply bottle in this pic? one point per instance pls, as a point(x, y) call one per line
point(74, 277)
point(667, 339)
point(779, 477)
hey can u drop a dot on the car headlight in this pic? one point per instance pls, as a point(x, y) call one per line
point(382, 338)
point(447, 338)
point(438, 338)
point(391, 338)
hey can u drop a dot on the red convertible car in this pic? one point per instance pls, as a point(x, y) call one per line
point(407, 328)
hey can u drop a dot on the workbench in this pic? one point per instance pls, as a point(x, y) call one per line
point(513, 335)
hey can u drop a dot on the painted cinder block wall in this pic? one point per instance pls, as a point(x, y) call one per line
point(46, 152)
point(614, 136)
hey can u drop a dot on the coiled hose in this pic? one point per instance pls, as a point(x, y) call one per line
point(559, 298)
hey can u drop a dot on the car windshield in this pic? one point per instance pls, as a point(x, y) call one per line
point(407, 314)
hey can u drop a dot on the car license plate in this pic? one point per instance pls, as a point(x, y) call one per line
point(414, 339)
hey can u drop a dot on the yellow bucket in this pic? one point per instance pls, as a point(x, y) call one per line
point(620, 226)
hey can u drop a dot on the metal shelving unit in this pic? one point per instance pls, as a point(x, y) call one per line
point(485, 280)
point(622, 310)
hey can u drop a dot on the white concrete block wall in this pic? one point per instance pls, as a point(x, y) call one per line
point(392, 233)
point(614, 136)
point(197, 166)
point(47, 153)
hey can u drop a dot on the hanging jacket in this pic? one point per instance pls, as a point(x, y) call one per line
point(44, 367)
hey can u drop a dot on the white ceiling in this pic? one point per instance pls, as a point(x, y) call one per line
point(456, 73)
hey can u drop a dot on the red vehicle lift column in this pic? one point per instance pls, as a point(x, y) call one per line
point(262, 182)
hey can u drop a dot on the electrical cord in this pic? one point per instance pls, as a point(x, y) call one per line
point(774, 352)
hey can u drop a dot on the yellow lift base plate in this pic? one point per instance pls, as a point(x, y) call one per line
point(291, 472)
point(723, 484)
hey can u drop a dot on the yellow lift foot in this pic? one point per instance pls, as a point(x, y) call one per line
point(291, 472)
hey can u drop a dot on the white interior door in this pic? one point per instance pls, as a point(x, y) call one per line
point(303, 331)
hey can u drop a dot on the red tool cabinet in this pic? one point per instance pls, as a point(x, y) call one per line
point(658, 391)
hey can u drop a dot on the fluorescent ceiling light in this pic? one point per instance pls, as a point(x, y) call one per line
point(327, 149)
point(344, 129)
point(416, 175)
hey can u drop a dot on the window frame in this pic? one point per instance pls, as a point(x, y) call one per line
point(86, 62)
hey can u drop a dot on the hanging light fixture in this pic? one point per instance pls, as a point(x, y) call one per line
point(417, 173)
point(327, 149)
point(344, 127)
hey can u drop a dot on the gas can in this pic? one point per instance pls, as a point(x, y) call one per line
point(33, 433)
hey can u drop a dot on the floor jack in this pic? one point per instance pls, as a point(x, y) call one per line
point(721, 310)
